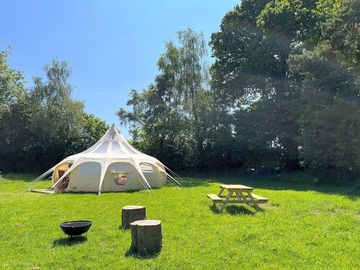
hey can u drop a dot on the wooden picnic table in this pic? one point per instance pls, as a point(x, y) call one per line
point(237, 194)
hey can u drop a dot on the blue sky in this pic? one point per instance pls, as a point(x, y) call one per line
point(111, 46)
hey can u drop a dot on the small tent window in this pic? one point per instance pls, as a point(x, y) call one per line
point(146, 168)
point(120, 177)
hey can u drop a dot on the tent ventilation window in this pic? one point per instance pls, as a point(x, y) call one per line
point(120, 177)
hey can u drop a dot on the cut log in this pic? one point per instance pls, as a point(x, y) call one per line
point(132, 213)
point(146, 236)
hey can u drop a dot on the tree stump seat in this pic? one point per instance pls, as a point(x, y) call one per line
point(146, 236)
point(132, 213)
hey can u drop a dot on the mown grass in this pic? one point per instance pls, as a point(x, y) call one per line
point(303, 227)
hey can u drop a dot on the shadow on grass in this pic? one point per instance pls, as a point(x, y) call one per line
point(300, 181)
point(19, 177)
point(67, 241)
point(233, 210)
point(132, 253)
point(294, 181)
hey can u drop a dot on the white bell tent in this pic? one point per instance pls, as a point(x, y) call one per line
point(111, 164)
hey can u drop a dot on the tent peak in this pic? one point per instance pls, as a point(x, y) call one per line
point(114, 128)
point(112, 142)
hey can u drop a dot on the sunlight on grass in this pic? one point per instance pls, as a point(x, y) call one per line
point(303, 226)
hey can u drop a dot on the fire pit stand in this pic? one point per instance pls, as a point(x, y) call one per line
point(76, 227)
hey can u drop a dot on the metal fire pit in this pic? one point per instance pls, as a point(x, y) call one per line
point(77, 227)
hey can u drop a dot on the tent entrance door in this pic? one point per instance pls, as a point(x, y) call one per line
point(65, 182)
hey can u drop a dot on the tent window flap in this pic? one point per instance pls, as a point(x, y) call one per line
point(120, 177)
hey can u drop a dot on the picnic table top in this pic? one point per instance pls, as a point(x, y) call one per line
point(236, 187)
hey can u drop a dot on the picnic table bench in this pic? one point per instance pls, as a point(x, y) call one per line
point(237, 194)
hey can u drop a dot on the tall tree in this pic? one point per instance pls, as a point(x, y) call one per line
point(329, 78)
point(13, 112)
point(11, 83)
point(44, 124)
point(165, 118)
point(54, 114)
point(249, 76)
point(192, 78)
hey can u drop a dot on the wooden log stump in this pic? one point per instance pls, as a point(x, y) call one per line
point(146, 236)
point(132, 213)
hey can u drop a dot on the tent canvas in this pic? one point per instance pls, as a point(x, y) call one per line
point(111, 164)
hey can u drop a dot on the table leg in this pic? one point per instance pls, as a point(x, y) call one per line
point(237, 195)
point(226, 199)
point(241, 196)
point(253, 201)
point(221, 191)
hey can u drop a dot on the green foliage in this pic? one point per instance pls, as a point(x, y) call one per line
point(11, 84)
point(342, 31)
point(284, 92)
point(15, 130)
point(329, 78)
point(44, 124)
point(293, 19)
point(285, 74)
point(166, 119)
point(55, 116)
point(283, 95)
point(304, 226)
point(288, 73)
point(250, 78)
point(239, 48)
point(93, 128)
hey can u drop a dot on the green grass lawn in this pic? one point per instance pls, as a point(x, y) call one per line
point(303, 227)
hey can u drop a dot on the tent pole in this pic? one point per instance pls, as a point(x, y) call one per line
point(102, 175)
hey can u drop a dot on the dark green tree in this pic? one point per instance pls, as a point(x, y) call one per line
point(14, 113)
point(44, 124)
point(329, 77)
point(55, 115)
point(11, 83)
point(250, 80)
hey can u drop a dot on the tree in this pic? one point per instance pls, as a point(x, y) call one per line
point(92, 129)
point(55, 115)
point(250, 74)
point(165, 119)
point(11, 83)
point(45, 124)
point(262, 52)
point(192, 78)
point(13, 112)
point(329, 77)
point(15, 133)
point(284, 92)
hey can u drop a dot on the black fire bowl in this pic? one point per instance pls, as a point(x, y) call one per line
point(75, 228)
